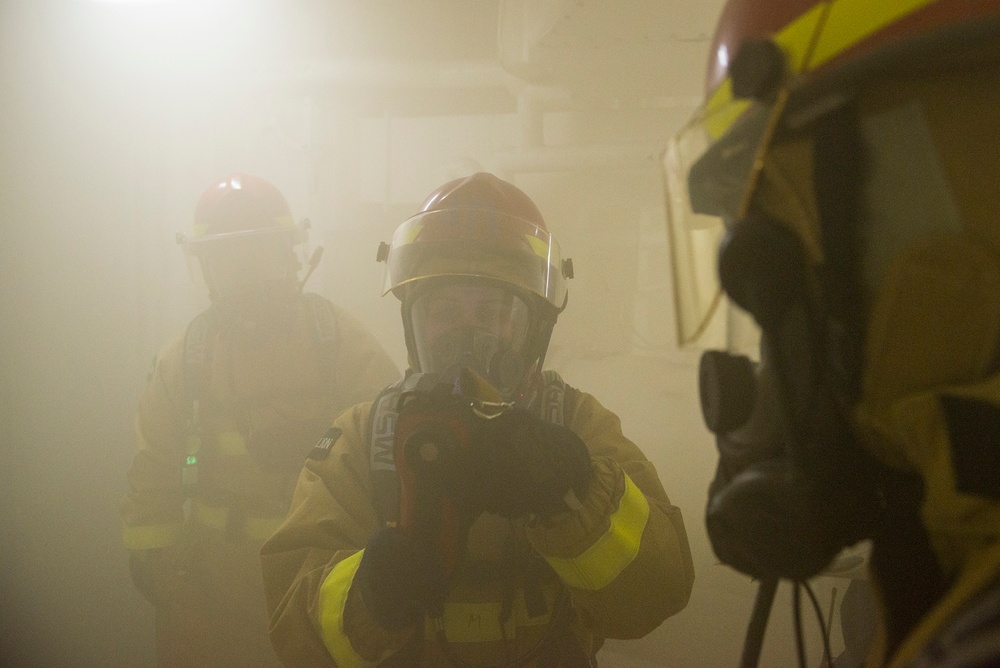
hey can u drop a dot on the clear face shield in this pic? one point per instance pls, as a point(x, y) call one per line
point(476, 243)
point(463, 323)
point(248, 262)
point(479, 287)
point(709, 182)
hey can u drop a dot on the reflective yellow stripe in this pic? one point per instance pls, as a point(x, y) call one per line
point(480, 622)
point(411, 233)
point(332, 601)
point(809, 41)
point(216, 517)
point(796, 38)
point(603, 561)
point(463, 622)
point(539, 246)
point(721, 110)
point(150, 537)
point(851, 21)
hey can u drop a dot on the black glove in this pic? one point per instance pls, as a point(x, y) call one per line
point(518, 464)
point(157, 576)
point(396, 581)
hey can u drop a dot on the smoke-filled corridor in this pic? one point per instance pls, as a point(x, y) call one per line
point(115, 116)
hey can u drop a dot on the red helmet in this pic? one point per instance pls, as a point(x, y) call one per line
point(243, 228)
point(484, 230)
point(775, 67)
point(237, 206)
point(479, 226)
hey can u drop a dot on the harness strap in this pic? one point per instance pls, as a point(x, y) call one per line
point(553, 399)
point(382, 426)
point(382, 429)
point(326, 331)
point(197, 365)
point(195, 368)
point(386, 496)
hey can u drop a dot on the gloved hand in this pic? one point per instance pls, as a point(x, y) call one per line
point(395, 580)
point(518, 464)
point(157, 576)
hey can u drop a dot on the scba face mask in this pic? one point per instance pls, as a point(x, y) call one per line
point(784, 500)
point(794, 484)
point(482, 327)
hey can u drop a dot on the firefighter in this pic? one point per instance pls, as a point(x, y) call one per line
point(229, 413)
point(848, 156)
point(570, 537)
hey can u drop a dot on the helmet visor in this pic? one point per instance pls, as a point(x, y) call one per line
point(709, 179)
point(201, 241)
point(229, 262)
point(244, 262)
point(922, 130)
point(477, 243)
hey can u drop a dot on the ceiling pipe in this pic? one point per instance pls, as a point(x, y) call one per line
point(533, 102)
point(370, 74)
point(457, 75)
point(573, 157)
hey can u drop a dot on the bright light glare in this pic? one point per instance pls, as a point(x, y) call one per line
point(183, 40)
point(722, 57)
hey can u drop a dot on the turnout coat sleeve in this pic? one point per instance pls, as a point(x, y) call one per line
point(152, 513)
point(623, 555)
point(330, 520)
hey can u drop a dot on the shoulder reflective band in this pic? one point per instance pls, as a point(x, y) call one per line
point(603, 561)
point(332, 601)
point(851, 22)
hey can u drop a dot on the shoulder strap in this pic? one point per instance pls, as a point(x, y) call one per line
point(553, 398)
point(326, 330)
point(381, 430)
point(195, 368)
point(197, 357)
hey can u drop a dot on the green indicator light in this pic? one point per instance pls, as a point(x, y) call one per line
point(192, 460)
